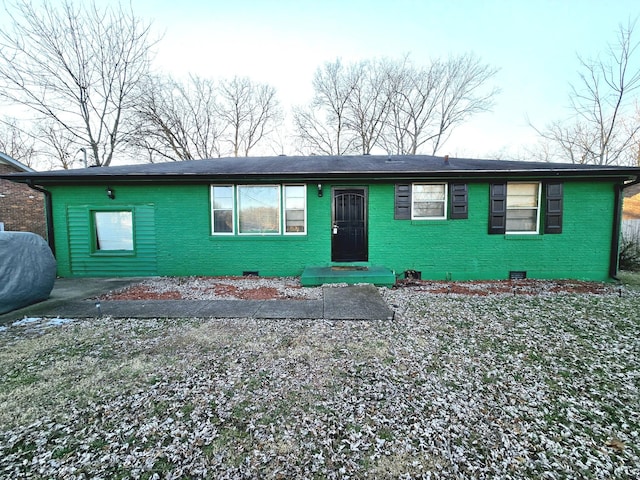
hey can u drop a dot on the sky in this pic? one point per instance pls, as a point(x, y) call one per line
point(533, 43)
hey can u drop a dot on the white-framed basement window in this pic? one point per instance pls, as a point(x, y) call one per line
point(429, 201)
point(523, 207)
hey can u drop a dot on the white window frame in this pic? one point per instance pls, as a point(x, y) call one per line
point(539, 199)
point(278, 204)
point(233, 210)
point(107, 233)
point(285, 209)
point(444, 201)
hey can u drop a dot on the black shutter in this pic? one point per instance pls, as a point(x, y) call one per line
point(459, 200)
point(497, 208)
point(402, 209)
point(553, 212)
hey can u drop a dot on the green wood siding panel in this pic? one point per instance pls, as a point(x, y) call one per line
point(72, 208)
point(173, 236)
point(86, 262)
point(60, 227)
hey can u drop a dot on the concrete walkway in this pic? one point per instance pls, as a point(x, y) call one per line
point(75, 298)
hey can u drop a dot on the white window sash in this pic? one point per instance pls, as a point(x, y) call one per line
point(288, 211)
point(518, 205)
point(214, 210)
point(435, 201)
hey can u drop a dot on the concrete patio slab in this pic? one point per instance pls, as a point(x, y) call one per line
point(230, 308)
point(355, 302)
point(290, 309)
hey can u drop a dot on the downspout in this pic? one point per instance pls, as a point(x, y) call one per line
point(617, 222)
point(48, 204)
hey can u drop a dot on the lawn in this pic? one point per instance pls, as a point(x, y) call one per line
point(505, 385)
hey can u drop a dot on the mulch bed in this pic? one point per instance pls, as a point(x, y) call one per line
point(520, 287)
point(223, 287)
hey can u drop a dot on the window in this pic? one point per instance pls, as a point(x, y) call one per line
point(295, 197)
point(113, 230)
point(259, 209)
point(407, 206)
point(222, 209)
point(523, 207)
point(429, 201)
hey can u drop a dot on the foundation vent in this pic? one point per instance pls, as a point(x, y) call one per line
point(412, 275)
point(517, 274)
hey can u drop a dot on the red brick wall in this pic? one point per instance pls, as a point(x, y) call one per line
point(21, 208)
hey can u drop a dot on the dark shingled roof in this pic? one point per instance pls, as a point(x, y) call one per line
point(317, 168)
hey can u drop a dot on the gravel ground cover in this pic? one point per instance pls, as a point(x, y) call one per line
point(459, 385)
point(216, 288)
point(269, 288)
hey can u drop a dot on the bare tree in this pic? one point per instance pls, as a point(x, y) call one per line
point(322, 126)
point(315, 135)
point(203, 119)
point(631, 156)
point(178, 121)
point(602, 129)
point(427, 103)
point(60, 146)
point(392, 105)
point(44, 145)
point(368, 102)
point(17, 142)
point(413, 106)
point(156, 131)
point(461, 94)
point(250, 112)
point(279, 140)
point(76, 65)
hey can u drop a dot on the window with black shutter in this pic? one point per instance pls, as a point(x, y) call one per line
point(402, 210)
point(459, 200)
point(553, 211)
point(497, 208)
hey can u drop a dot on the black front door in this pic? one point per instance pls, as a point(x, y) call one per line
point(349, 227)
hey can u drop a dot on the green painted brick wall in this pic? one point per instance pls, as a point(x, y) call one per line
point(191, 249)
point(463, 250)
point(183, 241)
point(178, 240)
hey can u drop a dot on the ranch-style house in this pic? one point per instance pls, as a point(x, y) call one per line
point(370, 218)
